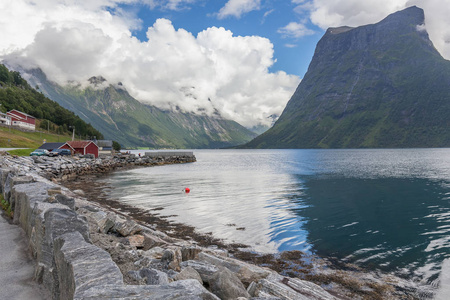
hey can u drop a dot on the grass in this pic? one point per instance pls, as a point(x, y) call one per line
point(6, 207)
point(13, 138)
point(21, 152)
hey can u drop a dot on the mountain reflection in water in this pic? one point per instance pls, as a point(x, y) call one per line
point(386, 209)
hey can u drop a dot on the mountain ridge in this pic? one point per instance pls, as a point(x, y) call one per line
point(374, 86)
point(122, 118)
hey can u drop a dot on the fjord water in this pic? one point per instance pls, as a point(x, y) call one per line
point(382, 209)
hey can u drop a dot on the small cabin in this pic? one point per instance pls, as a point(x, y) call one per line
point(5, 119)
point(22, 120)
point(105, 147)
point(81, 147)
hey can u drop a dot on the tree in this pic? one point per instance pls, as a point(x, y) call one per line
point(116, 146)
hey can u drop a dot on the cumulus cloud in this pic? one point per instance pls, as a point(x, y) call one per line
point(295, 30)
point(324, 14)
point(237, 8)
point(212, 71)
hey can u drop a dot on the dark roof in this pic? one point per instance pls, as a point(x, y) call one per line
point(80, 144)
point(51, 146)
point(104, 143)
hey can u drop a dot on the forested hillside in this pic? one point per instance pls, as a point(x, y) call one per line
point(16, 93)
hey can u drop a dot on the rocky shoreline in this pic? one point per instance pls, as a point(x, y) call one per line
point(133, 254)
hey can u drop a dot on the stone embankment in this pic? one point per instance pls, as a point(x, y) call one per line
point(84, 251)
point(69, 168)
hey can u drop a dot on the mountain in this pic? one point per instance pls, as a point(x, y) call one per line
point(381, 85)
point(16, 93)
point(120, 117)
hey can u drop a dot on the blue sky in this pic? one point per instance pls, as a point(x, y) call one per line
point(292, 55)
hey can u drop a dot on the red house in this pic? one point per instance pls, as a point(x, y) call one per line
point(81, 147)
point(22, 120)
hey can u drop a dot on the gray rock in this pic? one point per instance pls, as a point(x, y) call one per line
point(104, 221)
point(151, 241)
point(70, 202)
point(288, 288)
point(155, 253)
point(78, 192)
point(227, 286)
point(206, 270)
point(60, 221)
point(7, 188)
point(188, 273)
point(177, 290)
point(81, 266)
point(126, 228)
point(4, 172)
point(247, 273)
point(172, 258)
point(154, 277)
point(190, 252)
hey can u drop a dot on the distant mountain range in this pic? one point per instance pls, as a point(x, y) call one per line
point(380, 85)
point(120, 117)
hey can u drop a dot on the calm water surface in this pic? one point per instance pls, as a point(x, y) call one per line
point(386, 209)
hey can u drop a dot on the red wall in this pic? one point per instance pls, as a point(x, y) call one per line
point(25, 119)
point(92, 149)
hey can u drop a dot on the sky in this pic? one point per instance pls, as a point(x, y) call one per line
point(241, 58)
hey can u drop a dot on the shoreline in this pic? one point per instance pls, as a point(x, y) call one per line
point(341, 279)
point(172, 248)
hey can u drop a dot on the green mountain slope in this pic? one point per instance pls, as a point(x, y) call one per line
point(122, 118)
point(16, 93)
point(381, 85)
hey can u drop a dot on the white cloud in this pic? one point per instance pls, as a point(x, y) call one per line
point(326, 14)
point(213, 70)
point(295, 30)
point(237, 8)
point(168, 4)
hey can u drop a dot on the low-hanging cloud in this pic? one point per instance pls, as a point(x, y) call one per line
point(213, 71)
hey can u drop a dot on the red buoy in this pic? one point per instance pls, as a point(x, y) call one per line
point(187, 190)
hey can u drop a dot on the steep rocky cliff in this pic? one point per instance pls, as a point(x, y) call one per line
point(380, 85)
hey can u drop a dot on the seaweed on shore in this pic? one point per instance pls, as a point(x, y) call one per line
point(343, 280)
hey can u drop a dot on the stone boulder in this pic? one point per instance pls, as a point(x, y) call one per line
point(177, 290)
point(151, 241)
point(60, 221)
point(190, 252)
point(81, 266)
point(154, 253)
point(188, 273)
point(247, 273)
point(70, 202)
point(136, 240)
point(227, 286)
point(154, 277)
point(172, 259)
point(286, 288)
point(206, 270)
point(126, 227)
